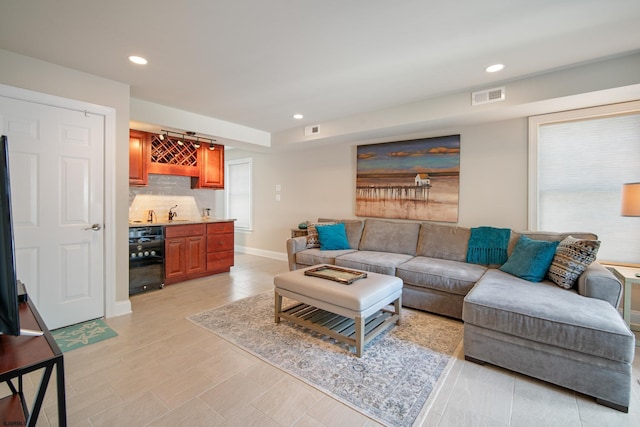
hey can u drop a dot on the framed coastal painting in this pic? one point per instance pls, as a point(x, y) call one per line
point(416, 179)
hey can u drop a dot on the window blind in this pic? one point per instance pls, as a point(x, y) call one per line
point(581, 166)
point(239, 192)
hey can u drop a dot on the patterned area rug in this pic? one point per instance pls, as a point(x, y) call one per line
point(391, 382)
point(82, 334)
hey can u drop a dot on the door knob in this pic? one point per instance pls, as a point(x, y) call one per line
point(94, 227)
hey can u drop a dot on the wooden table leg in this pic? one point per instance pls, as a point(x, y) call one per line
point(278, 306)
point(359, 320)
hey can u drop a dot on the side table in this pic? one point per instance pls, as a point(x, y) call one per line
point(22, 355)
point(627, 275)
point(297, 232)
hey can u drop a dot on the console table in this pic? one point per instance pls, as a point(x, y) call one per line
point(22, 355)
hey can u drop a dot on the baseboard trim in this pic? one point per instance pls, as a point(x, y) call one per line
point(121, 308)
point(280, 256)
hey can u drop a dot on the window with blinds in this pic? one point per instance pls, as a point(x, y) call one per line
point(239, 192)
point(578, 163)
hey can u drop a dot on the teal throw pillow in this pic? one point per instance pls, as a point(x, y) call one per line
point(332, 237)
point(530, 259)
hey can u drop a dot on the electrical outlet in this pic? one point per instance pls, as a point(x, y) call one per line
point(277, 197)
point(278, 187)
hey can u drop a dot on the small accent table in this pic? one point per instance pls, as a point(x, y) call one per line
point(297, 232)
point(22, 355)
point(627, 275)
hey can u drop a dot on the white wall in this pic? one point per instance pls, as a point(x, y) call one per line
point(39, 76)
point(320, 182)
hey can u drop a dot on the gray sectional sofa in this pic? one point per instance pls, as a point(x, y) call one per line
point(574, 338)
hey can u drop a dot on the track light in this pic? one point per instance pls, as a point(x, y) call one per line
point(188, 136)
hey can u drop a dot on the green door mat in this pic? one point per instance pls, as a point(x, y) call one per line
point(82, 334)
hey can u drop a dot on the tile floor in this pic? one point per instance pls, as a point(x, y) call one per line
point(162, 370)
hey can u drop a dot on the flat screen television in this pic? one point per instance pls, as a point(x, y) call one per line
point(9, 316)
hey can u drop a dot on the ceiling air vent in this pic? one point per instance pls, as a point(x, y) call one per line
point(311, 130)
point(488, 96)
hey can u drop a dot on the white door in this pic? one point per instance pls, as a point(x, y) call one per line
point(56, 163)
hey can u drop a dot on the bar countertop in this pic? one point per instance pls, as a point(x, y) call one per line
point(178, 222)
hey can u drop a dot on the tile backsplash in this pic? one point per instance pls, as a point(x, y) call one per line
point(165, 191)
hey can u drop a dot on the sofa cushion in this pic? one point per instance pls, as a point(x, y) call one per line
point(377, 262)
point(332, 237)
point(543, 312)
point(443, 241)
point(444, 275)
point(552, 236)
point(388, 236)
point(316, 256)
point(353, 227)
point(530, 259)
point(571, 259)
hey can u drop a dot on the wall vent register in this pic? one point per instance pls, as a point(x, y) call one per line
point(488, 96)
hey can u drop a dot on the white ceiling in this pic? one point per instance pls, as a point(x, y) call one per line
point(257, 62)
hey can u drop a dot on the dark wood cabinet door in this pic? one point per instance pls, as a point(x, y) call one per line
point(211, 168)
point(196, 254)
point(175, 259)
point(138, 158)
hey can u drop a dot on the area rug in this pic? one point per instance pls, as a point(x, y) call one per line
point(82, 334)
point(391, 382)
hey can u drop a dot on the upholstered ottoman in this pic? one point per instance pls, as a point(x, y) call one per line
point(353, 314)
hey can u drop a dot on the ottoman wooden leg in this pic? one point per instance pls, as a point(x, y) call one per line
point(397, 305)
point(278, 306)
point(359, 335)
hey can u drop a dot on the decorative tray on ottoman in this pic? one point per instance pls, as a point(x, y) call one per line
point(337, 274)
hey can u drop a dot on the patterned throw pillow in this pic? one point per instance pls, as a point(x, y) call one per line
point(572, 257)
point(313, 241)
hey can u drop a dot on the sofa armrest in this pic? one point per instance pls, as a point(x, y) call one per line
point(598, 282)
point(295, 245)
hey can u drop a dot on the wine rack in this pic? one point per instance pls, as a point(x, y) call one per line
point(170, 152)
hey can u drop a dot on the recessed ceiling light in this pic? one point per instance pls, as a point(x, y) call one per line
point(138, 60)
point(298, 116)
point(493, 68)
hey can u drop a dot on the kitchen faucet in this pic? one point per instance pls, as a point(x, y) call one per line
point(151, 215)
point(172, 214)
